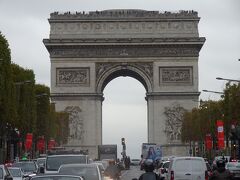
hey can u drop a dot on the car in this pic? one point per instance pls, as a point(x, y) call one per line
point(234, 168)
point(100, 167)
point(53, 162)
point(30, 168)
point(104, 163)
point(87, 171)
point(163, 170)
point(135, 162)
point(4, 173)
point(17, 173)
point(56, 177)
point(187, 168)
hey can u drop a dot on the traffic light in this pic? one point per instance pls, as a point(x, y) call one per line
point(123, 141)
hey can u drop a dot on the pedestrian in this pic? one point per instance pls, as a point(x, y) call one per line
point(128, 162)
point(142, 163)
point(221, 173)
point(149, 171)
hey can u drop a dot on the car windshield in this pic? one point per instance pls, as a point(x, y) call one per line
point(1, 173)
point(88, 173)
point(26, 166)
point(15, 172)
point(54, 162)
point(55, 178)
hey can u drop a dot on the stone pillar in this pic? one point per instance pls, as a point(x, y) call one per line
point(158, 130)
point(85, 120)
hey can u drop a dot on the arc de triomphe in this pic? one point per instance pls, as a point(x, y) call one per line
point(88, 50)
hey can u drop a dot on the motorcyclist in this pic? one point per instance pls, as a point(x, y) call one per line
point(149, 174)
point(221, 173)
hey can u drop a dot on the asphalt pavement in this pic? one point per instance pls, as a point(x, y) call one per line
point(133, 172)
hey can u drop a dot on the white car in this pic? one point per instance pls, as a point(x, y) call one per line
point(187, 168)
point(86, 171)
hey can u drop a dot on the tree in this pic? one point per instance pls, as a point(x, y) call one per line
point(201, 121)
point(231, 106)
point(24, 81)
point(7, 90)
point(43, 110)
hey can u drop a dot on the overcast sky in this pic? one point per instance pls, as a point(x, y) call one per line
point(24, 24)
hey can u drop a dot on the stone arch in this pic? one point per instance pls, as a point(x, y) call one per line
point(141, 72)
point(88, 50)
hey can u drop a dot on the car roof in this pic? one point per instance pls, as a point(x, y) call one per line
point(187, 158)
point(79, 165)
point(15, 168)
point(65, 155)
point(55, 174)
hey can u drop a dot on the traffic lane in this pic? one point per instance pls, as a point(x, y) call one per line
point(133, 172)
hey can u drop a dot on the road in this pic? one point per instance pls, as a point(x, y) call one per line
point(133, 172)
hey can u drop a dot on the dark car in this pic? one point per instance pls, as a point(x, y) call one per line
point(4, 173)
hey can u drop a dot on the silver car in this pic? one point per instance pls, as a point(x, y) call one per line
point(87, 171)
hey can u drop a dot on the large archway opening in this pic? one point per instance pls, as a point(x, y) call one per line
point(124, 114)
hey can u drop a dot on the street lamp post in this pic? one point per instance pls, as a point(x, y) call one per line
point(217, 92)
point(230, 80)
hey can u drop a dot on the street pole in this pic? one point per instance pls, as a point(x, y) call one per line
point(230, 80)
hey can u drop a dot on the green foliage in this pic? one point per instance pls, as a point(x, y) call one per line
point(7, 89)
point(201, 121)
point(43, 110)
point(24, 80)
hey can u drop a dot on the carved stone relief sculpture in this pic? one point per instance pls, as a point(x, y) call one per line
point(76, 124)
point(173, 123)
point(72, 76)
point(176, 75)
point(146, 67)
